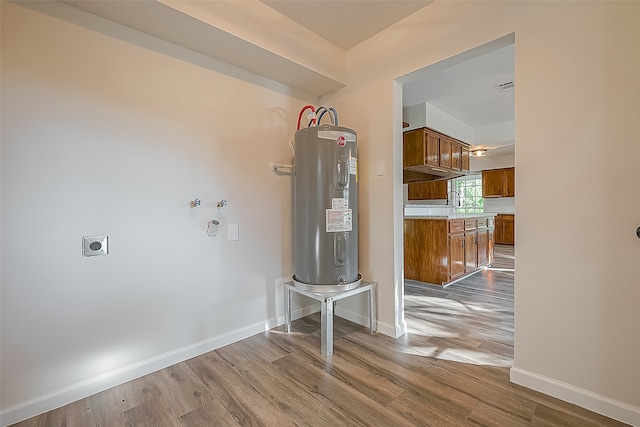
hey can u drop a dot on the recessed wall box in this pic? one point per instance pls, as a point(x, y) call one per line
point(95, 245)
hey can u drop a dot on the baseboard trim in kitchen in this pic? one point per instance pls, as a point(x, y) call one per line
point(592, 401)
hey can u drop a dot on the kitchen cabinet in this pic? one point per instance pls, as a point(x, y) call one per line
point(465, 158)
point(485, 241)
point(445, 152)
point(441, 250)
point(483, 248)
point(505, 229)
point(456, 249)
point(433, 153)
point(498, 183)
point(431, 190)
point(470, 248)
point(432, 148)
point(456, 156)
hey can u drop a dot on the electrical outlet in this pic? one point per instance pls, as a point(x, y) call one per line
point(95, 245)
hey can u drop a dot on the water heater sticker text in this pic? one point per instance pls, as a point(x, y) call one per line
point(353, 165)
point(339, 203)
point(339, 220)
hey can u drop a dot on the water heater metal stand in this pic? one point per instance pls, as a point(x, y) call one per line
point(327, 301)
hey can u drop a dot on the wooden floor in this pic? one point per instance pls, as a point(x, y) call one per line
point(451, 369)
point(504, 257)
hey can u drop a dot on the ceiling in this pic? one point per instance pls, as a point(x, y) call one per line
point(346, 23)
point(468, 90)
point(462, 86)
point(465, 90)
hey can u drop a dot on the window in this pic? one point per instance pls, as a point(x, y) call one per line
point(469, 188)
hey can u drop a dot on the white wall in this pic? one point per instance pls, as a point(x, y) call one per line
point(72, 95)
point(576, 316)
point(422, 115)
point(102, 136)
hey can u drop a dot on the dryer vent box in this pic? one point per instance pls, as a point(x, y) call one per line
point(95, 245)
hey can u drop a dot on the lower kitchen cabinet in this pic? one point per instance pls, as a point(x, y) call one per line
point(439, 250)
point(505, 229)
point(456, 256)
point(483, 247)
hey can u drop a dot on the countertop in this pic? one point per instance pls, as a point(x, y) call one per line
point(453, 216)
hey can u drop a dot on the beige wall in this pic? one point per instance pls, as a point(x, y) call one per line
point(577, 111)
point(169, 131)
point(101, 135)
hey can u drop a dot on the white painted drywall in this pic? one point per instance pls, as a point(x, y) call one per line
point(422, 115)
point(103, 136)
point(577, 109)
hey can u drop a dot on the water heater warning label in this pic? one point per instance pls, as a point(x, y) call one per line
point(353, 165)
point(339, 220)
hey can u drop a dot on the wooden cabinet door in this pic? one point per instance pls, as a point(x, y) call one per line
point(445, 152)
point(439, 189)
point(470, 251)
point(456, 155)
point(510, 182)
point(483, 247)
point(490, 246)
point(413, 147)
point(492, 183)
point(432, 149)
point(508, 229)
point(432, 190)
point(456, 255)
point(415, 191)
point(498, 230)
point(465, 159)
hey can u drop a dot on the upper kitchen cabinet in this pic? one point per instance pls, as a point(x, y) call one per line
point(433, 153)
point(431, 190)
point(498, 183)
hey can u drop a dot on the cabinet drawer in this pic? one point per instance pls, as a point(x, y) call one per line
point(456, 226)
point(482, 222)
point(470, 224)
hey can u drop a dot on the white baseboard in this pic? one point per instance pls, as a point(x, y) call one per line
point(352, 316)
point(592, 401)
point(86, 388)
point(91, 386)
point(360, 319)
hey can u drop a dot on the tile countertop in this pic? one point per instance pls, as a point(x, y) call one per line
point(452, 216)
point(440, 212)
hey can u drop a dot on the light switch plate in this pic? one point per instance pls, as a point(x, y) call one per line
point(232, 232)
point(95, 245)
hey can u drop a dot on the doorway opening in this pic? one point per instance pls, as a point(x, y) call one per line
point(468, 317)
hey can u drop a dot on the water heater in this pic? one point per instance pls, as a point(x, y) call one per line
point(325, 203)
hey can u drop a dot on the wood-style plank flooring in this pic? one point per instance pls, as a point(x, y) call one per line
point(451, 369)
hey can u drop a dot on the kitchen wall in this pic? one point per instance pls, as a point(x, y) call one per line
point(101, 135)
point(422, 115)
point(576, 284)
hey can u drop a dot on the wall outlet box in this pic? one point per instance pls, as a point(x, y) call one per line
point(95, 245)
